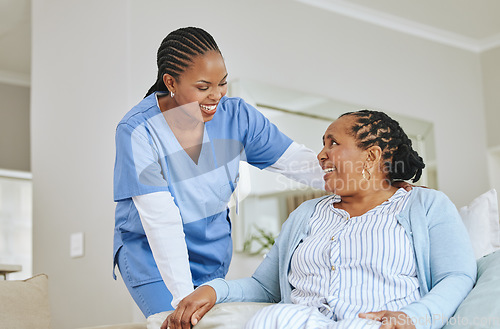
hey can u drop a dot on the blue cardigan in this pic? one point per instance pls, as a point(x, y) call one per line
point(446, 267)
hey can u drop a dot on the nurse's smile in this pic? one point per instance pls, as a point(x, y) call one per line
point(209, 110)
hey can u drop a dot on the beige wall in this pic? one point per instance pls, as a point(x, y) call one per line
point(14, 127)
point(490, 61)
point(92, 60)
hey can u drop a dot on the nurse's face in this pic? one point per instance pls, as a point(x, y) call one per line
point(203, 83)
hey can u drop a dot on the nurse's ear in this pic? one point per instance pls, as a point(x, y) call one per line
point(169, 82)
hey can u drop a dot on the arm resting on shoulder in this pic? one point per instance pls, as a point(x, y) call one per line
point(300, 164)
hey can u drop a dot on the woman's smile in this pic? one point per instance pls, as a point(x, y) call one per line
point(328, 172)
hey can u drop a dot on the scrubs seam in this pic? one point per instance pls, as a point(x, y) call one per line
point(135, 289)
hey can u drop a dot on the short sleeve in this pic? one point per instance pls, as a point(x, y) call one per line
point(264, 143)
point(137, 165)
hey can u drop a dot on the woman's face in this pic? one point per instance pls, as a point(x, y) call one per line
point(203, 83)
point(341, 159)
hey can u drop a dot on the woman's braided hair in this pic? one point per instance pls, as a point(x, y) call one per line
point(177, 51)
point(401, 161)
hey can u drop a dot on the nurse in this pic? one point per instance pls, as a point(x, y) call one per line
point(177, 160)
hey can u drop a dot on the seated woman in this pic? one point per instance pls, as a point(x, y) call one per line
point(370, 255)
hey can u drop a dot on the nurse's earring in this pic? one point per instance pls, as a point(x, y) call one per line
point(172, 94)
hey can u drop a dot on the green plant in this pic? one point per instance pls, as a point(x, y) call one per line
point(264, 239)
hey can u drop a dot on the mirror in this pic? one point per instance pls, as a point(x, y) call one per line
point(265, 198)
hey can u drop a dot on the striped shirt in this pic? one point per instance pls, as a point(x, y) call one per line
point(348, 265)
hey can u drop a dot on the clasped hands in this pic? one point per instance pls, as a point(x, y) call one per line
point(191, 309)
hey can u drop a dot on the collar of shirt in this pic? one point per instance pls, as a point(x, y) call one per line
point(381, 208)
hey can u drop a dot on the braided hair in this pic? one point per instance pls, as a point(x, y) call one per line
point(377, 128)
point(177, 51)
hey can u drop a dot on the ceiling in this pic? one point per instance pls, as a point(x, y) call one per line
point(477, 19)
point(473, 25)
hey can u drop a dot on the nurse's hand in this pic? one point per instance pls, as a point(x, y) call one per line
point(191, 309)
point(403, 184)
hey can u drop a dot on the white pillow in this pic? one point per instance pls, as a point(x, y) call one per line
point(482, 222)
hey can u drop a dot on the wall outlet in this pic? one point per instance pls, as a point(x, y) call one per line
point(76, 248)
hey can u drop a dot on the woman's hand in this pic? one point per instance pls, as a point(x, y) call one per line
point(191, 309)
point(390, 320)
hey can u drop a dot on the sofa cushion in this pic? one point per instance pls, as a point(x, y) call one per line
point(25, 304)
point(481, 308)
point(221, 316)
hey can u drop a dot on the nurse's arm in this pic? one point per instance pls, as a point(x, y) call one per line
point(300, 164)
point(162, 223)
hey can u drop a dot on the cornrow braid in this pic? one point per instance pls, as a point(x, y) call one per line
point(177, 51)
point(377, 128)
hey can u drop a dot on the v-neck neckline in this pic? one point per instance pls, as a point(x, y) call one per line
point(178, 146)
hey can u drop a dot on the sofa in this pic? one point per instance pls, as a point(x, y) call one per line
point(25, 303)
point(480, 309)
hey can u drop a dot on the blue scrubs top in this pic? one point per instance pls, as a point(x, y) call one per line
point(150, 159)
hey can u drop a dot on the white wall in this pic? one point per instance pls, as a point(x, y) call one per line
point(79, 88)
point(490, 61)
point(92, 60)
